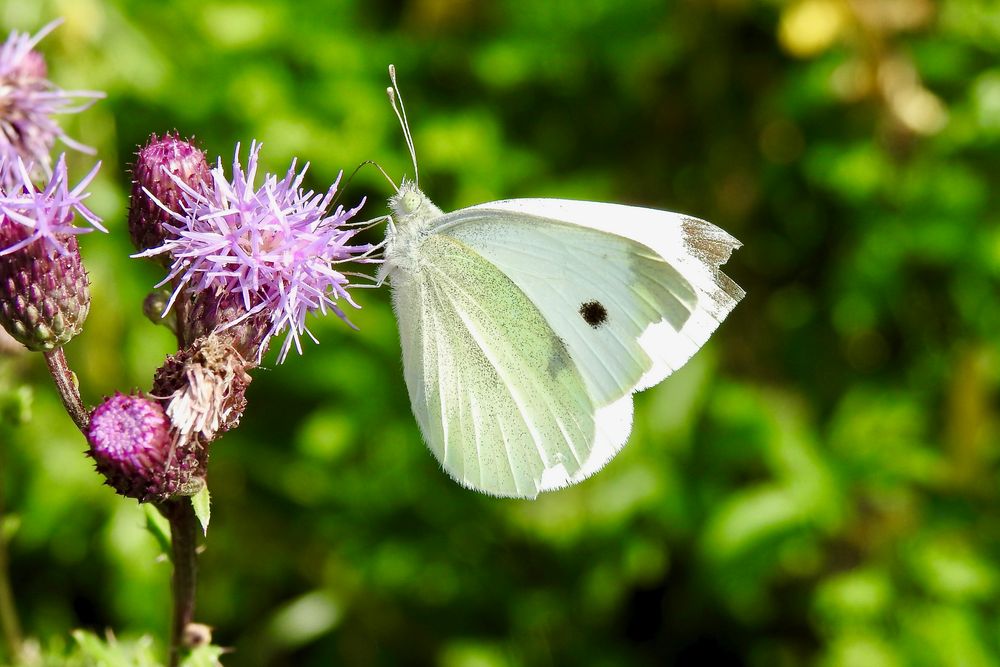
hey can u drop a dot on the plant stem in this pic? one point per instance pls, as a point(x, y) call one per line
point(9, 624)
point(181, 308)
point(68, 387)
point(184, 539)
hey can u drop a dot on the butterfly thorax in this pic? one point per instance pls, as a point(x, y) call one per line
point(412, 216)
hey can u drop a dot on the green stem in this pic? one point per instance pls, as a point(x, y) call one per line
point(184, 540)
point(69, 389)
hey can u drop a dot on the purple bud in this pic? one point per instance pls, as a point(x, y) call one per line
point(131, 443)
point(44, 293)
point(154, 165)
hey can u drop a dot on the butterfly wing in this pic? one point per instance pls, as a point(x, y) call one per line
point(539, 319)
point(496, 393)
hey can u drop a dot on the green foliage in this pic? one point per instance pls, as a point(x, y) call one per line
point(202, 503)
point(818, 486)
point(89, 650)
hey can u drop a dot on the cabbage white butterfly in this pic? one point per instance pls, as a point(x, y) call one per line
point(527, 324)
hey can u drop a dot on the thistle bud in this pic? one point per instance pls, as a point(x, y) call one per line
point(44, 293)
point(153, 306)
point(131, 444)
point(154, 165)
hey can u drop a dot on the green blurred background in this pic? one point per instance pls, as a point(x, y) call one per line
point(818, 486)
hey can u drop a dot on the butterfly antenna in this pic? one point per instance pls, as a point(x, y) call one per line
point(394, 97)
point(364, 164)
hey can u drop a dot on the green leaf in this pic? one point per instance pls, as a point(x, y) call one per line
point(204, 656)
point(110, 652)
point(202, 507)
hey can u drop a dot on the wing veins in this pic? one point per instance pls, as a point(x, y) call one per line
point(476, 335)
point(441, 386)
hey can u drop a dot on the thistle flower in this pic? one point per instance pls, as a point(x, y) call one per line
point(275, 246)
point(44, 289)
point(131, 444)
point(31, 68)
point(28, 101)
point(156, 165)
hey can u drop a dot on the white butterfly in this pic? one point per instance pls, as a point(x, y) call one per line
point(527, 325)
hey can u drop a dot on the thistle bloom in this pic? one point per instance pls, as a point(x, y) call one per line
point(204, 389)
point(28, 101)
point(275, 246)
point(44, 289)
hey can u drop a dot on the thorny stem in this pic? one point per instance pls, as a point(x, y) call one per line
point(9, 624)
point(69, 390)
point(184, 539)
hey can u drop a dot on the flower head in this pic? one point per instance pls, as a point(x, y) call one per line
point(28, 101)
point(131, 443)
point(275, 246)
point(44, 289)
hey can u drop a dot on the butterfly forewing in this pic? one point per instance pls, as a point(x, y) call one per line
point(660, 268)
point(599, 292)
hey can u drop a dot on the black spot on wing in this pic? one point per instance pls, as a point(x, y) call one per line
point(594, 313)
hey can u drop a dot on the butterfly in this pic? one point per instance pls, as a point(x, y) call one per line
point(527, 324)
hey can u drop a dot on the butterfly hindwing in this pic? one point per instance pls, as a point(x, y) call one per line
point(500, 401)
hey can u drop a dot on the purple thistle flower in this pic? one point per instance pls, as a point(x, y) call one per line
point(275, 246)
point(44, 294)
point(47, 215)
point(44, 289)
point(28, 101)
point(132, 446)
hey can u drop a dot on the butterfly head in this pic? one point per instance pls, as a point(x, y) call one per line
point(409, 205)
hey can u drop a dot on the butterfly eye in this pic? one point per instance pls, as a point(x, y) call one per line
point(410, 202)
point(594, 313)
